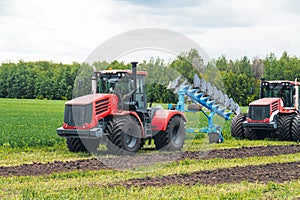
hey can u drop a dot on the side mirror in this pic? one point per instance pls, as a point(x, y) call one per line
point(132, 84)
point(252, 91)
point(79, 84)
point(151, 101)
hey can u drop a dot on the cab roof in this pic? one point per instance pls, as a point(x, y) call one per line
point(282, 81)
point(115, 71)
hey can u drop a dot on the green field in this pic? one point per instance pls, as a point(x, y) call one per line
point(30, 122)
point(33, 123)
point(28, 135)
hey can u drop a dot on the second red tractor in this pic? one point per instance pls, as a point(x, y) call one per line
point(274, 115)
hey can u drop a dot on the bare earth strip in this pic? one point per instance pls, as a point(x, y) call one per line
point(129, 162)
point(276, 172)
point(37, 169)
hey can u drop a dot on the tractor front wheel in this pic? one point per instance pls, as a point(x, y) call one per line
point(236, 127)
point(172, 139)
point(124, 135)
point(296, 128)
point(284, 127)
point(250, 134)
point(82, 145)
point(253, 134)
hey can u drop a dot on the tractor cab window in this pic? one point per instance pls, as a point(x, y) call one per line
point(140, 84)
point(140, 92)
point(110, 83)
point(285, 91)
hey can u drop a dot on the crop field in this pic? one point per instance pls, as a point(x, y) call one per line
point(36, 164)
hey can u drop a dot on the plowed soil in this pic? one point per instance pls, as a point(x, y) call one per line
point(129, 162)
point(36, 169)
point(276, 172)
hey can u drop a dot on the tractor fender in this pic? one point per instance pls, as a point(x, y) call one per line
point(134, 114)
point(162, 117)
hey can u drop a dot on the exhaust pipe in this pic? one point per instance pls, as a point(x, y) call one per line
point(94, 81)
point(134, 77)
point(261, 93)
point(296, 94)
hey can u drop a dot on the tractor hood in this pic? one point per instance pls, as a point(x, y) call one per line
point(264, 101)
point(84, 112)
point(88, 99)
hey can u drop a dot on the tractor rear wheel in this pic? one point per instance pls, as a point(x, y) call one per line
point(124, 135)
point(284, 127)
point(172, 139)
point(236, 127)
point(296, 128)
point(82, 145)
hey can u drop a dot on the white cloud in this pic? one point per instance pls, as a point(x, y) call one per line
point(257, 41)
point(69, 30)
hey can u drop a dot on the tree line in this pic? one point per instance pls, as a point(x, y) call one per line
point(37, 80)
point(238, 78)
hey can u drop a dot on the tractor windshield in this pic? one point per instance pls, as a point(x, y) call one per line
point(281, 90)
point(110, 83)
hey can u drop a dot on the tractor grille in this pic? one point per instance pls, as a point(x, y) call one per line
point(77, 115)
point(102, 106)
point(275, 106)
point(259, 112)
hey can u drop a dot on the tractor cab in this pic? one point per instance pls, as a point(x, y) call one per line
point(129, 90)
point(286, 90)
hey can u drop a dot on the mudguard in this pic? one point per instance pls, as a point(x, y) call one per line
point(134, 114)
point(162, 117)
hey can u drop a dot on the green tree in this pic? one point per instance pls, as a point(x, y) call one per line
point(184, 64)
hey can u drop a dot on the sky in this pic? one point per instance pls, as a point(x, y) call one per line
point(69, 30)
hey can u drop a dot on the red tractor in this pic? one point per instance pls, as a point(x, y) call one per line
point(274, 115)
point(117, 114)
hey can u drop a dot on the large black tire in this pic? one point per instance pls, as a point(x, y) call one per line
point(82, 145)
point(236, 127)
point(296, 128)
point(250, 134)
point(172, 139)
point(284, 128)
point(124, 135)
point(253, 134)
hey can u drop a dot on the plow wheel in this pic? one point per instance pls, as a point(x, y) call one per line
point(82, 145)
point(124, 135)
point(172, 138)
point(236, 127)
point(214, 137)
point(284, 127)
point(296, 128)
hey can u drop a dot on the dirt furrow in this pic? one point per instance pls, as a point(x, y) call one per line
point(129, 162)
point(276, 172)
point(36, 169)
point(244, 152)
